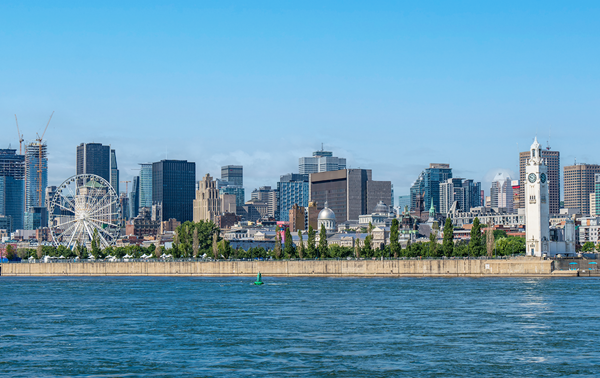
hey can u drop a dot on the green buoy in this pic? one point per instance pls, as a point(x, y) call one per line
point(258, 279)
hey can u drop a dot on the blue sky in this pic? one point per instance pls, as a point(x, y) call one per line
point(391, 86)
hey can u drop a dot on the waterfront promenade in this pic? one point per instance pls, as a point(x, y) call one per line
point(516, 267)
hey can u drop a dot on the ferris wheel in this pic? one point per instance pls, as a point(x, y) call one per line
point(85, 207)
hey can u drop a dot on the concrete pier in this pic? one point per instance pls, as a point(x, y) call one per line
point(518, 267)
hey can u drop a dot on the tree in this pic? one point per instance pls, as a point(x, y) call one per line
point(310, 248)
point(215, 249)
point(489, 242)
point(367, 249)
point(39, 251)
point(95, 244)
point(587, 247)
point(433, 245)
point(357, 247)
point(394, 236)
point(475, 244)
point(288, 249)
point(448, 243)
point(277, 249)
point(300, 245)
point(322, 242)
point(196, 243)
point(11, 254)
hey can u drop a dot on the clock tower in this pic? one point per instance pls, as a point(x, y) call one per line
point(537, 210)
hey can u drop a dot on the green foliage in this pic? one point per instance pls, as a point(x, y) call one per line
point(448, 244)
point(499, 234)
point(186, 234)
point(510, 246)
point(367, 250)
point(311, 251)
point(476, 247)
point(395, 246)
point(587, 247)
point(433, 245)
point(323, 242)
point(11, 253)
point(289, 250)
point(300, 245)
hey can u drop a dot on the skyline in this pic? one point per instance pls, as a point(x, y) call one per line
point(386, 86)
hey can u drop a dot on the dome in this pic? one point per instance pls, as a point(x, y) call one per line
point(381, 208)
point(326, 214)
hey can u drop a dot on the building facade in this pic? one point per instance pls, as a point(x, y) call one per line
point(537, 207)
point(293, 189)
point(348, 192)
point(427, 186)
point(36, 181)
point(234, 174)
point(554, 185)
point(501, 193)
point(134, 198)
point(207, 205)
point(94, 159)
point(321, 161)
point(173, 187)
point(145, 197)
point(12, 188)
point(579, 182)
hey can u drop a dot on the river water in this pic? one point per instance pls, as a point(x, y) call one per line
point(347, 327)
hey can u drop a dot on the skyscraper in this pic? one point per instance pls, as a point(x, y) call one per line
point(134, 198)
point(321, 161)
point(36, 181)
point(349, 192)
point(234, 174)
point(428, 185)
point(293, 189)
point(553, 163)
point(94, 159)
point(145, 194)
point(501, 192)
point(12, 187)
point(173, 186)
point(114, 171)
point(579, 183)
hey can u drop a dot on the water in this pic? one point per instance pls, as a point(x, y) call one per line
point(299, 327)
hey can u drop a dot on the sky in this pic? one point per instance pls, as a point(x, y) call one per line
point(390, 85)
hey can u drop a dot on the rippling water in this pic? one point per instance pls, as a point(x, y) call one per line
point(299, 327)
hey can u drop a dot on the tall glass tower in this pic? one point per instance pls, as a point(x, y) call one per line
point(12, 187)
point(145, 185)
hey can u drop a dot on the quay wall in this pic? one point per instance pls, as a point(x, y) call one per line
point(325, 268)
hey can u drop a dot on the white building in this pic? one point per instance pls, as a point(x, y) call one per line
point(321, 161)
point(327, 218)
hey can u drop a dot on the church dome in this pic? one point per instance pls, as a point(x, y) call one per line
point(326, 214)
point(381, 208)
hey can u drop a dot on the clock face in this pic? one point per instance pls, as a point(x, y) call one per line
point(532, 177)
point(543, 178)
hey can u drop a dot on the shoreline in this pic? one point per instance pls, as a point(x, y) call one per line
point(517, 267)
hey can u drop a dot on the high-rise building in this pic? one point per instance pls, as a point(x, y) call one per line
point(12, 188)
point(36, 181)
point(596, 198)
point(349, 192)
point(427, 185)
point(553, 163)
point(270, 196)
point(114, 171)
point(234, 174)
point(173, 184)
point(145, 198)
point(134, 198)
point(293, 189)
point(403, 201)
point(501, 193)
point(579, 182)
point(207, 205)
point(465, 192)
point(321, 161)
point(94, 159)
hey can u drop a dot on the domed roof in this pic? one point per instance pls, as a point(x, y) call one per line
point(381, 208)
point(326, 214)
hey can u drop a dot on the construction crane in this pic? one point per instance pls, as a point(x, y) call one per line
point(126, 186)
point(20, 137)
point(39, 140)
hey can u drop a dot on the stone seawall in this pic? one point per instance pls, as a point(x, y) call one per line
point(329, 268)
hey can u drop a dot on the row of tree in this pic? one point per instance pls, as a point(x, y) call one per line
point(202, 240)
